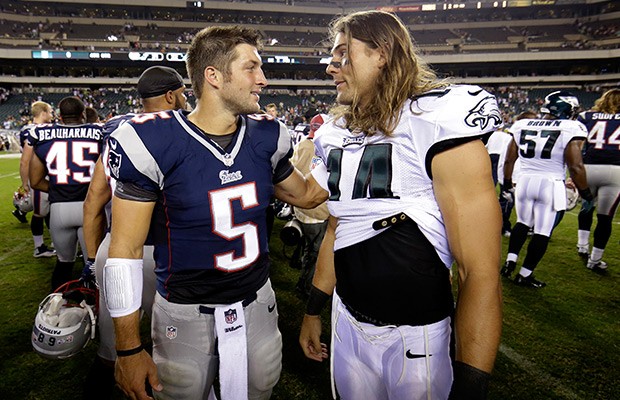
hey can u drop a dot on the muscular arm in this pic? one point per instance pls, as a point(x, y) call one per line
point(324, 280)
point(299, 191)
point(130, 225)
point(99, 194)
point(37, 173)
point(325, 274)
point(466, 197)
point(24, 165)
point(509, 163)
point(574, 161)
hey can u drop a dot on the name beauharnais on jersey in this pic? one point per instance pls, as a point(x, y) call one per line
point(69, 133)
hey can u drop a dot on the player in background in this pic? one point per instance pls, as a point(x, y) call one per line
point(66, 152)
point(545, 147)
point(314, 221)
point(602, 160)
point(42, 113)
point(408, 174)
point(212, 172)
point(92, 116)
point(160, 88)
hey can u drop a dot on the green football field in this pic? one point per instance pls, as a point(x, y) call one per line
point(559, 342)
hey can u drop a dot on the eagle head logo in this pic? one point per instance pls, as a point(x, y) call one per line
point(484, 113)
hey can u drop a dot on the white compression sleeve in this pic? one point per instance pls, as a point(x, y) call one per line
point(122, 285)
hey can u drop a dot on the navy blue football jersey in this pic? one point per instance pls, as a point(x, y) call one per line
point(603, 145)
point(69, 152)
point(24, 133)
point(211, 247)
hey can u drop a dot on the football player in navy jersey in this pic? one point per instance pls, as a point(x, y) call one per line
point(160, 88)
point(407, 175)
point(66, 152)
point(602, 162)
point(209, 175)
point(42, 113)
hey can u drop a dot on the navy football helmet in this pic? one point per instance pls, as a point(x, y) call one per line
point(560, 104)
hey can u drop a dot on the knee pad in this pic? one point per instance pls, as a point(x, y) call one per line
point(181, 380)
point(264, 366)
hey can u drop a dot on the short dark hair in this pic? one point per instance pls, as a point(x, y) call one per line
point(215, 46)
point(71, 107)
point(91, 115)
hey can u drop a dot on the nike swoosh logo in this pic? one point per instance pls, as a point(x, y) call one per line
point(476, 93)
point(412, 356)
point(271, 308)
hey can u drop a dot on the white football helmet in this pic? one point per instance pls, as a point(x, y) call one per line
point(23, 201)
point(572, 197)
point(65, 321)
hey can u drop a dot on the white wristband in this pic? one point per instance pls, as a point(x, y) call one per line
point(122, 286)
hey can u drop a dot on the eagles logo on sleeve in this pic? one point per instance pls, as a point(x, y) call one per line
point(484, 113)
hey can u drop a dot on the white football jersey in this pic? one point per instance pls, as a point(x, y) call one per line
point(374, 177)
point(541, 144)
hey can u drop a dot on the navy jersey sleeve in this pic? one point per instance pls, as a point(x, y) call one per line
point(130, 162)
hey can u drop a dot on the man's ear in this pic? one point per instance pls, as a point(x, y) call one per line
point(383, 59)
point(170, 97)
point(213, 76)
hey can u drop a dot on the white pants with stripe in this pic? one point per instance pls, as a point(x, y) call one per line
point(389, 362)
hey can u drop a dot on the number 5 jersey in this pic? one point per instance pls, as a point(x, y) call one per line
point(210, 231)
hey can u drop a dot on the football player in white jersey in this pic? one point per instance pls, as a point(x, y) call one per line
point(545, 147)
point(602, 161)
point(407, 175)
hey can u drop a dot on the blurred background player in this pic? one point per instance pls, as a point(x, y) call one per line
point(66, 152)
point(160, 88)
point(497, 146)
point(92, 116)
point(314, 221)
point(602, 161)
point(42, 113)
point(544, 146)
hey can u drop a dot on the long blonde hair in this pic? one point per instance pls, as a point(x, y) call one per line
point(405, 74)
point(609, 102)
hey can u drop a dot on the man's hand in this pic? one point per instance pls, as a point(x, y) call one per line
point(131, 373)
point(508, 193)
point(88, 274)
point(587, 205)
point(310, 338)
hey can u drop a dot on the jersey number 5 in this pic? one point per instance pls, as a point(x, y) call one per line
point(224, 226)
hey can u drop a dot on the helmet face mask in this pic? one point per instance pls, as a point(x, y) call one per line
point(65, 321)
point(560, 104)
point(22, 201)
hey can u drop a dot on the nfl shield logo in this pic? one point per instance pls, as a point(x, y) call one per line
point(230, 316)
point(171, 332)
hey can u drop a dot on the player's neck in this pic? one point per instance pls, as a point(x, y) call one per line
point(213, 121)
